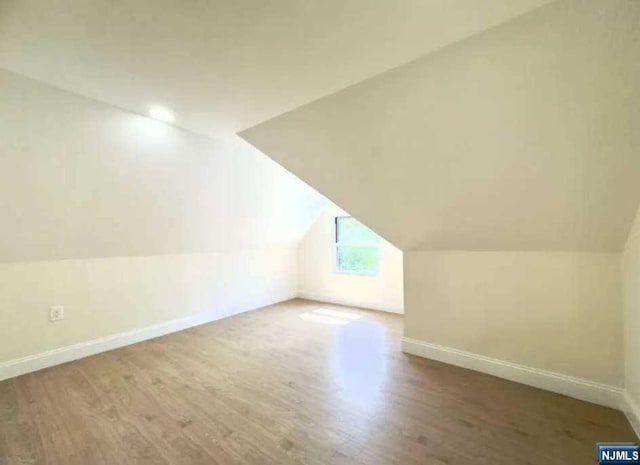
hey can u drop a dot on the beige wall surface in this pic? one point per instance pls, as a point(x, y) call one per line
point(523, 137)
point(631, 298)
point(319, 280)
point(128, 222)
point(103, 297)
point(518, 146)
point(559, 312)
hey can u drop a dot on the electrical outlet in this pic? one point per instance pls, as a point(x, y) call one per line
point(57, 313)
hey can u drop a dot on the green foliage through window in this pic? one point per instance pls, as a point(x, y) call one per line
point(357, 248)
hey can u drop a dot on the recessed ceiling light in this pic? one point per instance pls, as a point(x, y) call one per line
point(161, 113)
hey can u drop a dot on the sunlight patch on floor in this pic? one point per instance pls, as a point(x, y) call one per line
point(329, 317)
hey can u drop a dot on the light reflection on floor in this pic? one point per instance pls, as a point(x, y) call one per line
point(358, 361)
point(329, 317)
point(359, 364)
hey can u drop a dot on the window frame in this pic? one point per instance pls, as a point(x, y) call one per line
point(336, 244)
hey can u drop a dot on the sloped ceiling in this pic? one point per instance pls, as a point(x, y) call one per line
point(224, 66)
point(524, 137)
point(80, 179)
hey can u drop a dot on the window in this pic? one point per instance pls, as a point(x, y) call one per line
point(356, 247)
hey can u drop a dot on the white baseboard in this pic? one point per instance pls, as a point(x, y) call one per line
point(349, 302)
point(601, 394)
point(632, 411)
point(30, 363)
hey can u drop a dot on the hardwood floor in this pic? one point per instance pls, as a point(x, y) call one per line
point(294, 383)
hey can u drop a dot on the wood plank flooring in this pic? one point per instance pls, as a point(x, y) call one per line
point(294, 383)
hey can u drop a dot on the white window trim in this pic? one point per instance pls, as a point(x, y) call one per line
point(336, 244)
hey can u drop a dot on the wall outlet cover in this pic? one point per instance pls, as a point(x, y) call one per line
point(56, 313)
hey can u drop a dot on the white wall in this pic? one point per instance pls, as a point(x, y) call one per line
point(631, 299)
point(319, 281)
point(558, 312)
point(128, 222)
point(108, 296)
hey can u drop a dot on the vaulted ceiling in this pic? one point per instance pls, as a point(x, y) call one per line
point(524, 137)
point(80, 179)
point(442, 124)
point(226, 65)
